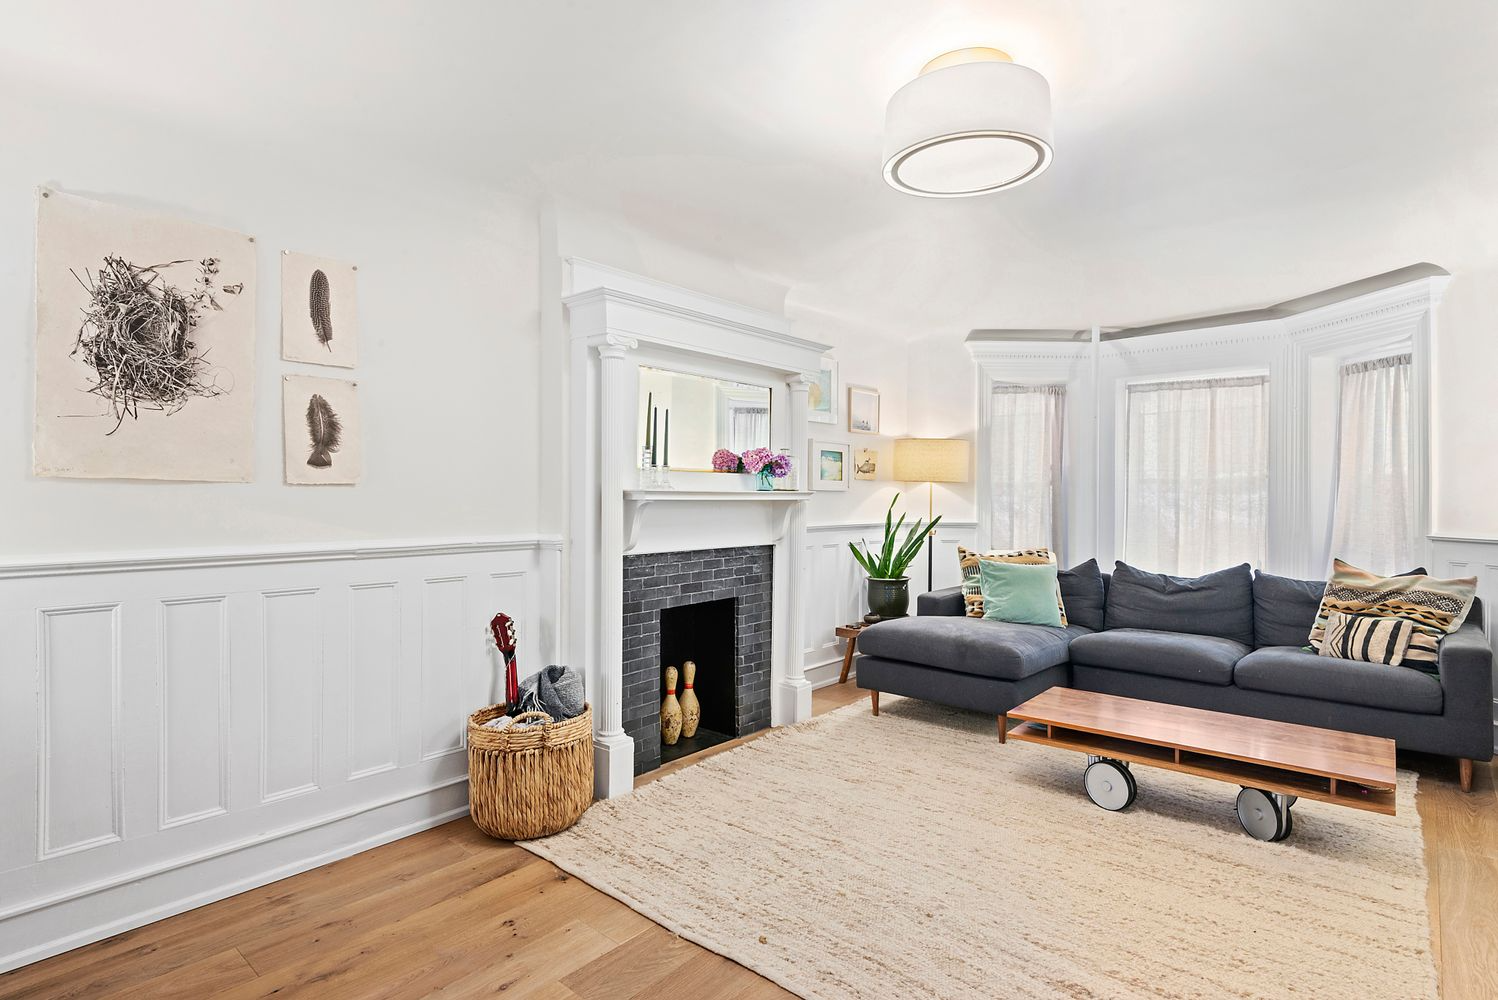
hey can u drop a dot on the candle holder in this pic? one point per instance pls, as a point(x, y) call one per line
point(663, 478)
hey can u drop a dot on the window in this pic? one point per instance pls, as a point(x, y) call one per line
point(1025, 446)
point(1197, 483)
point(1373, 524)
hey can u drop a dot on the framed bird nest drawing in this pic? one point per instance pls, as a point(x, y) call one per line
point(145, 345)
point(319, 315)
point(323, 431)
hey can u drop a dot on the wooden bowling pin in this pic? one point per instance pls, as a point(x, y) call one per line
point(670, 711)
point(691, 711)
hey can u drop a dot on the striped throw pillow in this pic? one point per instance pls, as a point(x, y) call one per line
point(1368, 638)
point(1434, 607)
point(972, 580)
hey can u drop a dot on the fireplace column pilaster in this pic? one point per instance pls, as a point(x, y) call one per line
point(792, 702)
point(613, 749)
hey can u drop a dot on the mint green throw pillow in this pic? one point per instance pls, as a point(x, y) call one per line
point(1019, 593)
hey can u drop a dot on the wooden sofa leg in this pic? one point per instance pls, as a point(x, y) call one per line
point(874, 700)
point(1004, 728)
point(1464, 769)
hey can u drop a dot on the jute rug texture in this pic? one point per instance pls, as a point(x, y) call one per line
point(914, 856)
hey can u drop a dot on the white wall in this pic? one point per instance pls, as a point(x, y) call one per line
point(448, 329)
point(280, 677)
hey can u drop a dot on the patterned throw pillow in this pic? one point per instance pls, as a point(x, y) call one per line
point(972, 579)
point(1434, 607)
point(1368, 638)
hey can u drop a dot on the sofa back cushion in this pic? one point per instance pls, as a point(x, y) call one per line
point(1220, 603)
point(1083, 595)
point(1284, 609)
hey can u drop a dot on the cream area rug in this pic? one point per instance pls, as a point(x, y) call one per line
point(913, 855)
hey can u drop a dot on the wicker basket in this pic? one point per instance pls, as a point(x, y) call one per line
point(531, 782)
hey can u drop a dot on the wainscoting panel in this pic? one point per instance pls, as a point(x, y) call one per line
point(444, 616)
point(291, 695)
point(179, 728)
point(1456, 557)
point(835, 585)
point(81, 770)
point(374, 682)
point(194, 638)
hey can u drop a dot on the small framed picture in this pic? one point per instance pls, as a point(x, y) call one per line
point(863, 409)
point(866, 466)
point(821, 398)
point(831, 465)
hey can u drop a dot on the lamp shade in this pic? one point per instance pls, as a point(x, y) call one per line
point(931, 460)
point(972, 123)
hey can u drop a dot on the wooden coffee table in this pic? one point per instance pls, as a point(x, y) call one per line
point(1276, 763)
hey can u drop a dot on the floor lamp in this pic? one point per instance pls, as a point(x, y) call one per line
point(931, 461)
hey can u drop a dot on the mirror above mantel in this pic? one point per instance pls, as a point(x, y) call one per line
point(706, 414)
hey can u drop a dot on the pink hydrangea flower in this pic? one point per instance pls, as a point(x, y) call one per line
point(725, 461)
point(756, 459)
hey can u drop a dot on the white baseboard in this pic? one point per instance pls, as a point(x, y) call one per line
point(826, 673)
point(41, 931)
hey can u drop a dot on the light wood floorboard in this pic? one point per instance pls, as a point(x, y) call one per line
point(451, 913)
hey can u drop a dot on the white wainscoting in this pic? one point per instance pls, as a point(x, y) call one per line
point(176, 729)
point(834, 585)
point(1456, 557)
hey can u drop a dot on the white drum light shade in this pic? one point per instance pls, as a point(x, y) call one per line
point(972, 123)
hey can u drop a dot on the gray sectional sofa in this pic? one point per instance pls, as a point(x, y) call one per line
point(1232, 641)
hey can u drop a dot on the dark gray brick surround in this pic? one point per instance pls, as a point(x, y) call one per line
point(660, 580)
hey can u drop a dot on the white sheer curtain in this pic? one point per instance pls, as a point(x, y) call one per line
point(748, 427)
point(1373, 526)
point(1198, 475)
point(1025, 451)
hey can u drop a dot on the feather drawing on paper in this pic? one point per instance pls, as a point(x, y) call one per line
point(321, 302)
point(325, 431)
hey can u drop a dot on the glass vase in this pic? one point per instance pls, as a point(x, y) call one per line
point(766, 478)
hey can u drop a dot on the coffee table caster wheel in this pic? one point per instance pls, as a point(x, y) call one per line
point(1109, 784)
point(1264, 815)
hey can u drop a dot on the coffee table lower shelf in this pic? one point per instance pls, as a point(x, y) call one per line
point(1270, 779)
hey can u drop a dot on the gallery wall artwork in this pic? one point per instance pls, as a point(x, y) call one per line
point(866, 466)
point(863, 409)
point(831, 465)
point(145, 345)
point(323, 431)
point(319, 314)
point(821, 395)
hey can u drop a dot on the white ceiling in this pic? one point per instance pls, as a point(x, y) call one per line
point(1209, 155)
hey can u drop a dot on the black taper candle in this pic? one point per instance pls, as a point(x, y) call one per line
point(649, 402)
point(655, 426)
point(666, 449)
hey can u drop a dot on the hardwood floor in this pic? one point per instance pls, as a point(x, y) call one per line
point(450, 913)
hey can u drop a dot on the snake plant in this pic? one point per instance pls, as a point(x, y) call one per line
point(893, 557)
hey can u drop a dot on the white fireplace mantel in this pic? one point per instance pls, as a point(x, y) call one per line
point(616, 323)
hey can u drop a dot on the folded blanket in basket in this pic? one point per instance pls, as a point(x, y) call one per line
point(555, 690)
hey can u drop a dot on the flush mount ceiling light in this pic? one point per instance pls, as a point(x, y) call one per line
point(972, 123)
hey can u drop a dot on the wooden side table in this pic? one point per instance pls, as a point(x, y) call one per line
point(850, 633)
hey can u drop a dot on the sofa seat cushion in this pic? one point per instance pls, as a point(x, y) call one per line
point(1207, 659)
point(1294, 670)
point(1003, 650)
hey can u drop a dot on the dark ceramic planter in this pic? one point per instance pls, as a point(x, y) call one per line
point(888, 599)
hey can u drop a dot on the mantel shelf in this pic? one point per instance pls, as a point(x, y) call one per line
point(635, 502)
point(651, 496)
